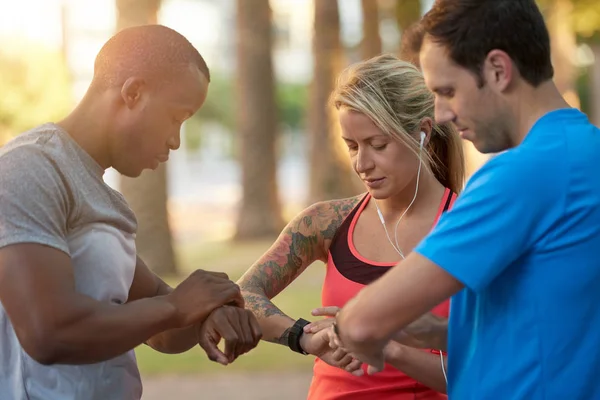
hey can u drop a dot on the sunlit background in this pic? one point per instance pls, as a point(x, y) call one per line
point(189, 212)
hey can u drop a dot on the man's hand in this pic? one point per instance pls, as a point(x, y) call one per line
point(375, 361)
point(202, 292)
point(237, 326)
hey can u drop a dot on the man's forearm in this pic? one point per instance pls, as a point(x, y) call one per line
point(101, 332)
point(386, 306)
point(174, 341)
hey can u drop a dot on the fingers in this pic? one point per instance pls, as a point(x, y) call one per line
point(355, 367)
point(209, 345)
point(347, 362)
point(251, 331)
point(233, 296)
point(242, 326)
point(325, 311)
point(227, 332)
point(334, 341)
point(219, 275)
point(227, 293)
point(319, 325)
point(255, 328)
point(371, 370)
point(339, 355)
point(241, 331)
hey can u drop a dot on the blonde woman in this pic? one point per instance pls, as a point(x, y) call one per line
point(412, 170)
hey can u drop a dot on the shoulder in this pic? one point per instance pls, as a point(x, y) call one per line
point(522, 169)
point(325, 217)
point(40, 146)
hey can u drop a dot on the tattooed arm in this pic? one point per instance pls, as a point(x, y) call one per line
point(304, 240)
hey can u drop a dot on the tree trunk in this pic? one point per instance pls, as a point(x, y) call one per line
point(147, 194)
point(595, 84)
point(564, 47)
point(330, 173)
point(371, 43)
point(260, 212)
point(407, 13)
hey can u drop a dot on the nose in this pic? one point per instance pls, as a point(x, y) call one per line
point(174, 141)
point(363, 162)
point(443, 112)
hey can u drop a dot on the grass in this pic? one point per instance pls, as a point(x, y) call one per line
point(297, 300)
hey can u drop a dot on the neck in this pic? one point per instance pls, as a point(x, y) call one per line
point(532, 104)
point(430, 190)
point(88, 126)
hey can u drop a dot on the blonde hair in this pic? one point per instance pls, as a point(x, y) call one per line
point(392, 93)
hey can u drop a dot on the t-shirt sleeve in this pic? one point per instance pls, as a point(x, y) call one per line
point(34, 200)
point(504, 208)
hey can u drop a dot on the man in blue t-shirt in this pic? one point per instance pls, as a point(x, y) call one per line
point(520, 251)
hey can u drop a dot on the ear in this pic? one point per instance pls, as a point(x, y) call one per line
point(426, 126)
point(498, 70)
point(132, 90)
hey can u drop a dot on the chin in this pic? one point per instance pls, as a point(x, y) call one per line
point(378, 194)
point(487, 148)
point(129, 172)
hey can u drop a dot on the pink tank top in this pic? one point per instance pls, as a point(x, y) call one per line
point(347, 273)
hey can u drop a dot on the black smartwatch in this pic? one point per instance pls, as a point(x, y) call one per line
point(295, 333)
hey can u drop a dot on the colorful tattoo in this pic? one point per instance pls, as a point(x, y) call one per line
point(304, 240)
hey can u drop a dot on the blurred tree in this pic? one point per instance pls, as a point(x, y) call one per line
point(34, 83)
point(330, 175)
point(563, 42)
point(371, 42)
point(220, 107)
point(586, 21)
point(260, 212)
point(147, 194)
point(408, 12)
point(568, 20)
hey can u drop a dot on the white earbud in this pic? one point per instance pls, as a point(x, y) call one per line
point(395, 244)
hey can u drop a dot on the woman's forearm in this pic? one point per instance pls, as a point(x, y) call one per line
point(421, 365)
point(273, 322)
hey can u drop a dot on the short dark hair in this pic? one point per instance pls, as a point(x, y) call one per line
point(147, 49)
point(411, 42)
point(470, 29)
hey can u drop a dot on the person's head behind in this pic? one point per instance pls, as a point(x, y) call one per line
point(383, 106)
point(411, 42)
point(154, 79)
point(477, 57)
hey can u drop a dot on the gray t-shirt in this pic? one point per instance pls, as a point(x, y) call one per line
point(52, 193)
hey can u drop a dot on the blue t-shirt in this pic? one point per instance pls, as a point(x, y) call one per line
point(524, 239)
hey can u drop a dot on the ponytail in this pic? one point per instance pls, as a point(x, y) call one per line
point(446, 151)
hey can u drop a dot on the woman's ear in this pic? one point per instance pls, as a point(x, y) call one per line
point(426, 126)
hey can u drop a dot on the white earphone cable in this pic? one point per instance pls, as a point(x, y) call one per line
point(395, 245)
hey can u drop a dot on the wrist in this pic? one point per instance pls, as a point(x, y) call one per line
point(168, 312)
point(305, 342)
point(296, 335)
point(394, 351)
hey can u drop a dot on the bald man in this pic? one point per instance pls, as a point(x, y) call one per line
point(75, 298)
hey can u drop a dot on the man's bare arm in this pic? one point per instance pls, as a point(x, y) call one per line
point(55, 324)
point(370, 320)
point(63, 326)
point(304, 240)
point(147, 284)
